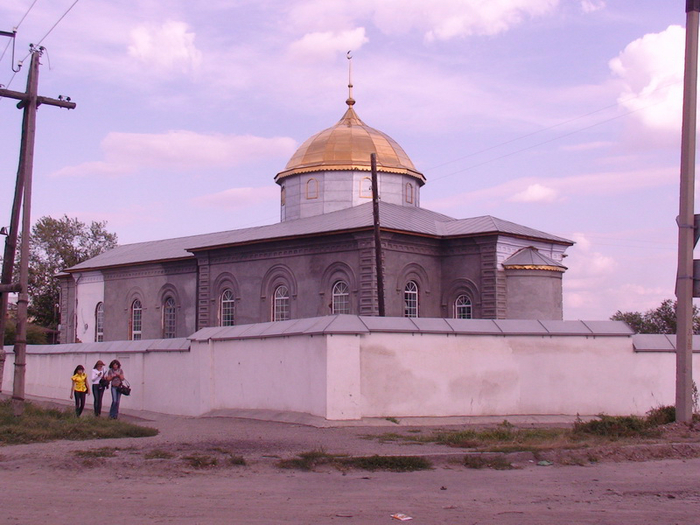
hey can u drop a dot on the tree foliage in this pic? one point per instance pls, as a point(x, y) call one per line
point(660, 320)
point(57, 244)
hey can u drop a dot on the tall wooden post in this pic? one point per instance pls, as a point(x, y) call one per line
point(686, 240)
point(29, 101)
point(377, 236)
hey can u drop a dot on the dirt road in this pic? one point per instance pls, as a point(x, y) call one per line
point(151, 480)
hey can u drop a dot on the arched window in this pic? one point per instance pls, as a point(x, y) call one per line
point(366, 188)
point(463, 307)
point(283, 196)
point(410, 299)
point(136, 320)
point(100, 323)
point(280, 306)
point(341, 298)
point(169, 318)
point(409, 193)
point(312, 189)
point(226, 308)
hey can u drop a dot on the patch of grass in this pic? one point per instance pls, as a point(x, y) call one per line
point(236, 460)
point(391, 463)
point(310, 460)
point(104, 452)
point(492, 462)
point(159, 454)
point(616, 427)
point(38, 425)
point(201, 461)
point(501, 438)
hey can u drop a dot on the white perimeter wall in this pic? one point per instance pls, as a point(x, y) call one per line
point(345, 376)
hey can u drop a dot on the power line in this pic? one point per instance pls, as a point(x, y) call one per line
point(43, 37)
point(57, 22)
point(541, 143)
point(568, 121)
point(25, 14)
point(16, 28)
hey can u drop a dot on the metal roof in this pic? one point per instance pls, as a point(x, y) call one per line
point(392, 217)
point(348, 146)
point(531, 257)
point(358, 325)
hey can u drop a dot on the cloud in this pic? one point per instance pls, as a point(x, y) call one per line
point(325, 45)
point(589, 6)
point(178, 150)
point(236, 198)
point(168, 47)
point(651, 71)
point(535, 193)
point(438, 20)
point(529, 189)
point(94, 169)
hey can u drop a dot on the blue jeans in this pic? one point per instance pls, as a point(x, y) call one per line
point(114, 409)
point(97, 392)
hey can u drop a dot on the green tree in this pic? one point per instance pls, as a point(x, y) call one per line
point(36, 335)
point(57, 244)
point(659, 320)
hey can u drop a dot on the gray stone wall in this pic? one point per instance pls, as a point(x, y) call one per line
point(534, 294)
point(150, 283)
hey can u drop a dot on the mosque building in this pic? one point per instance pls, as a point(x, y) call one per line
point(320, 258)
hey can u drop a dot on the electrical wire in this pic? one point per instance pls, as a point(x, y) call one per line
point(42, 38)
point(57, 22)
point(559, 124)
point(17, 27)
point(506, 155)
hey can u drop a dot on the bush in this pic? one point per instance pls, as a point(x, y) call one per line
point(661, 415)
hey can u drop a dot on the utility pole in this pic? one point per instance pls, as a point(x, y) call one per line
point(28, 101)
point(377, 236)
point(686, 221)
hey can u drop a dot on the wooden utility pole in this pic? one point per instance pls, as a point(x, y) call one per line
point(28, 101)
point(686, 221)
point(377, 236)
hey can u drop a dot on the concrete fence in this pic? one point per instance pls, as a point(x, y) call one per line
point(348, 367)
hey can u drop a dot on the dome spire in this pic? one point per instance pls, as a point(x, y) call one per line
point(350, 101)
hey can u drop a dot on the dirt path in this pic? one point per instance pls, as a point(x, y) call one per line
point(48, 483)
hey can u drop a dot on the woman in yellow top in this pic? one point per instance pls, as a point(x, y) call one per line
point(79, 387)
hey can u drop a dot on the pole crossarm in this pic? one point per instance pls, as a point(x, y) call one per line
point(12, 287)
point(24, 97)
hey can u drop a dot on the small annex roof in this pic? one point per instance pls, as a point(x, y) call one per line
point(531, 259)
point(392, 217)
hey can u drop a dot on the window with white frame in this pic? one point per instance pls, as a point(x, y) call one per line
point(169, 318)
point(280, 305)
point(341, 298)
point(100, 322)
point(226, 308)
point(136, 320)
point(410, 299)
point(463, 307)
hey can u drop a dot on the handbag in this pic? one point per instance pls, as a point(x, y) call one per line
point(104, 383)
point(125, 388)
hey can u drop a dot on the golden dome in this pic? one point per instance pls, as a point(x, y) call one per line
point(347, 146)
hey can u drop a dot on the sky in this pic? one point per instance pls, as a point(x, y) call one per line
point(562, 115)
